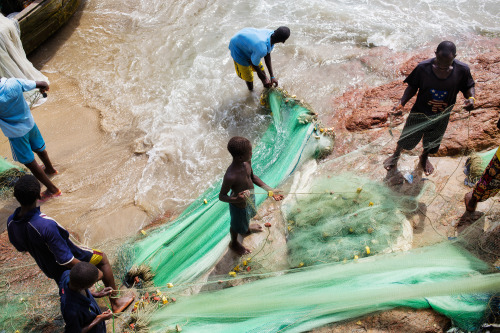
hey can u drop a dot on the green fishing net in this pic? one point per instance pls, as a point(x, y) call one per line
point(345, 251)
point(185, 249)
point(309, 297)
point(9, 173)
point(338, 220)
point(339, 232)
point(477, 163)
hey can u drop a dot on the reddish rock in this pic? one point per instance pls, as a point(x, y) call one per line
point(362, 110)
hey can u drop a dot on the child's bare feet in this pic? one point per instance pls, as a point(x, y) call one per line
point(46, 195)
point(254, 227)
point(239, 249)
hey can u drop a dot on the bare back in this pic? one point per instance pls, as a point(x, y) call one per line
point(238, 178)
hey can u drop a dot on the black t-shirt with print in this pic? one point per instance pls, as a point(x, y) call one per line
point(435, 94)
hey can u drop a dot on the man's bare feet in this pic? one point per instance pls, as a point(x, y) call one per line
point(254, 227)
point(120, 304)
point(426, 165)
point(239, 249)
point(470, 202)
point(391, 162)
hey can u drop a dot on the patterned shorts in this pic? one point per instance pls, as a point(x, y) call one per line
point(489, 184)
point(246, 72)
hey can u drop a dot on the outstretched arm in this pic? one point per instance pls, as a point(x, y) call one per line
point(257, 181)
point(269, 66)
point(407, 95)
point(470, 101)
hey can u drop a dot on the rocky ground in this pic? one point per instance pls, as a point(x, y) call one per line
point(361, 118)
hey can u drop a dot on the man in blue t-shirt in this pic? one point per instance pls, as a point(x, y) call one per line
point(49, 244)
point(78, 306)
point(18, 125)
point(249, 46)
point(438, 82)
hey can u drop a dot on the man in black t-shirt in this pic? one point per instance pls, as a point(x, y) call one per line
point(438, 81)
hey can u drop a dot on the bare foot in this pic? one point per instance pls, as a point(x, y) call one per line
point(49, 172)
point(120, 304)
point(254, 227)
point(239, 249)
point(46, 195)
point(427, 166)
point(391, 162)
point(470, 202)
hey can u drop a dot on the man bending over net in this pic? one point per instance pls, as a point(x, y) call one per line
point(239, 178)
point(249, 46)
point(438, 81)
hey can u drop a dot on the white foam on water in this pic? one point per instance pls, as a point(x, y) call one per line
point(162, 69)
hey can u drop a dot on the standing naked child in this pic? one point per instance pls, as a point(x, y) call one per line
point(240, 179)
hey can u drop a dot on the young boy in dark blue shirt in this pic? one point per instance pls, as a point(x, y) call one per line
point(78, 307)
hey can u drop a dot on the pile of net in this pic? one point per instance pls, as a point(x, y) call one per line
point(29, 301)
point(9, 174)
point(333, 220)
point(476, 164)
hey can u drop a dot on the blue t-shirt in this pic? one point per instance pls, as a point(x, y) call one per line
point(15, 115)
point(250, 45)
point(77, 310)
point(46, 241)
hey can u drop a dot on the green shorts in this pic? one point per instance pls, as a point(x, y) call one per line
point(240, 217)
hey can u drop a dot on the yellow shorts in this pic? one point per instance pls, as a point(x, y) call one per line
point(246, 72)
point(96, 257)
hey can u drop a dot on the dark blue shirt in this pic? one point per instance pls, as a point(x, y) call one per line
point(77, 310)
point(46, 241)
point(435, 95)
